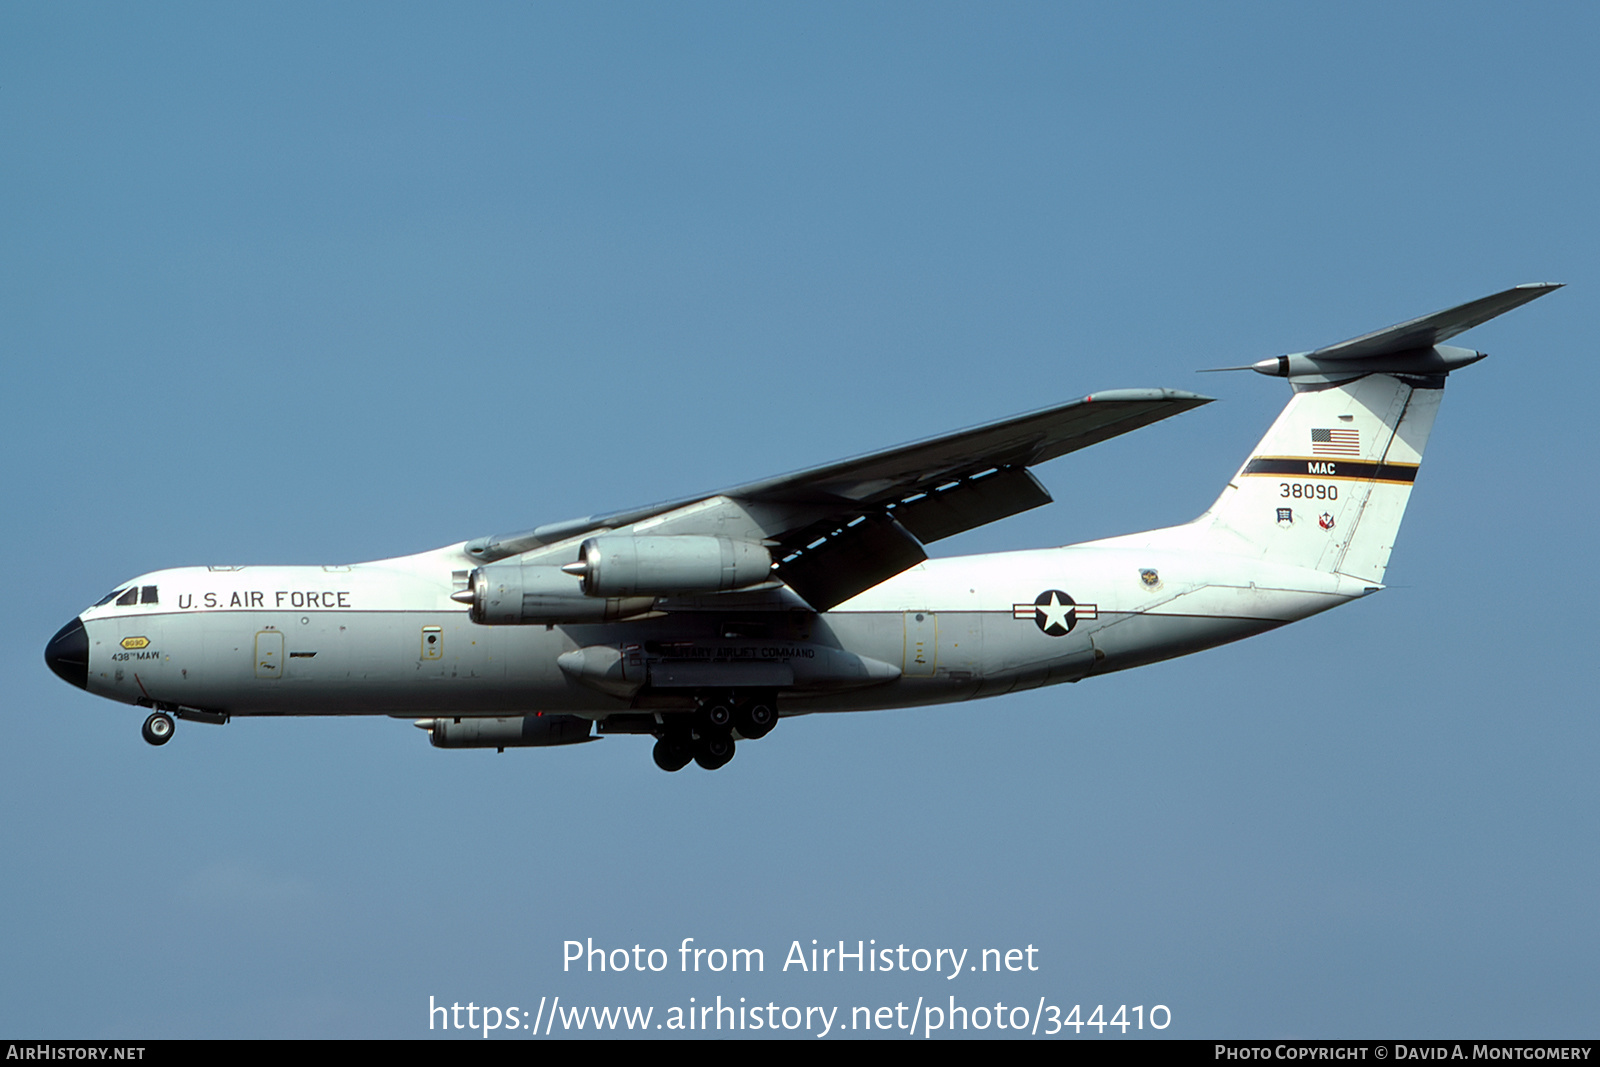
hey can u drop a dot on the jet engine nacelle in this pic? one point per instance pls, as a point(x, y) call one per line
point(528, 594)
point(516, 731)
point(619, 565)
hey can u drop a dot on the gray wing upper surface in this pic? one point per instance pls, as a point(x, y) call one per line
point(1020, 441)
point(843, 527)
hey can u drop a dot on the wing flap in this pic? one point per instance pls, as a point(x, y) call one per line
point(956, 507)
point(830, 565)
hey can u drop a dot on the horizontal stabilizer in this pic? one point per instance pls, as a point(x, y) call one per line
point(1430, 330)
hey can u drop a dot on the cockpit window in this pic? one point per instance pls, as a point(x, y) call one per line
point(108, 598)
point(147, 595)
point(130, 597)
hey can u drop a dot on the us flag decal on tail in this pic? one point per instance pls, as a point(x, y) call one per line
point(1336, 442)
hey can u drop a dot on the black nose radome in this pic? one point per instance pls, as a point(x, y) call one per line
point(68, 654)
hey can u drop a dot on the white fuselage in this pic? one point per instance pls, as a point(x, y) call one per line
point(385, 638)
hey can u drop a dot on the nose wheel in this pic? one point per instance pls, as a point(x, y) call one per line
point(158, 728)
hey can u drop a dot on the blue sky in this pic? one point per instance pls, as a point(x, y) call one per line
point(319, 283)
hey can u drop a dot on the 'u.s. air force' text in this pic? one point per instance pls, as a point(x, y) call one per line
point(265, 598)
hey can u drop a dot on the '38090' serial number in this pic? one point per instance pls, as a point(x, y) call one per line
point(1309, 490)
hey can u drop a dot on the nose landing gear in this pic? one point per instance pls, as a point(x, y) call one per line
point(158, 728)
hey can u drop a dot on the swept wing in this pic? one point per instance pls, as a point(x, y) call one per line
point(841, 528)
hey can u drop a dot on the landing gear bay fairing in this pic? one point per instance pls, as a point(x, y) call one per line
point(702, 622)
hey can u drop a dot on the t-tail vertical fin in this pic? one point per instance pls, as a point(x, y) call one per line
point(1328, 485)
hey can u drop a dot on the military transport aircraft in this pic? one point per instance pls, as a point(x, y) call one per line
point(702, 621)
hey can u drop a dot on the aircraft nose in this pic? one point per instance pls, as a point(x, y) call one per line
point(68, 654)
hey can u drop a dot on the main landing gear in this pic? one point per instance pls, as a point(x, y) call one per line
point(706, 735)
point(158, 728)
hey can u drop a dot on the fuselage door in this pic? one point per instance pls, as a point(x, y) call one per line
point(269, 654)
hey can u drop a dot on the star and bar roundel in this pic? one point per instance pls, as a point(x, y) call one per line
point(1054, 612)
